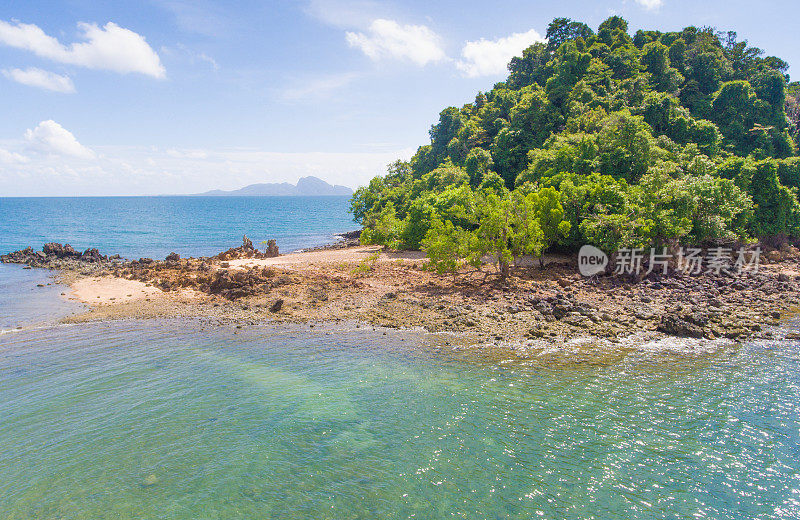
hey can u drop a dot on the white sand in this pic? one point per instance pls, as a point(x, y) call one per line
point(107, 290)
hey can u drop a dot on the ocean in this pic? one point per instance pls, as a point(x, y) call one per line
point(176, 419)
point(136, 227)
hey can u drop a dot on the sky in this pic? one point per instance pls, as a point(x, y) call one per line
point(184, 96)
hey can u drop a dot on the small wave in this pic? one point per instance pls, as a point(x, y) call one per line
point(683, 345)
point(36, 326)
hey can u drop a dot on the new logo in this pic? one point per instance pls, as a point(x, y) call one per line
point(591, 261)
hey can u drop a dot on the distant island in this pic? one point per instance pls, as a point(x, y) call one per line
point(305, 186)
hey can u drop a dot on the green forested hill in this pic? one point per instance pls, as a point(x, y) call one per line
point(602, 138)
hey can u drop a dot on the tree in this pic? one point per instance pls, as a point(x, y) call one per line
point(446, 245)
point(686, 135)
point(385, 229)
point(478, 163)
point(549, 213)
point(561, 30)
point(777, 213)
point(495, 233)
point(527, 237)
point(655, 58)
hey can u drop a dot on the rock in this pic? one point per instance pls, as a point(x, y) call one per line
point(92, 255)
point(173, 257)
point(675, 326)
point(783, 277)
point(563, 282)
point(789, 251)
point(275, 307)
point(773, 256)
point(544, 307)
point(247, 244)
point(59, 251)
point(150, 480)
point(643, 312)
point(576, 319)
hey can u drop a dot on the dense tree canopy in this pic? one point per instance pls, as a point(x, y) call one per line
point(602, 138)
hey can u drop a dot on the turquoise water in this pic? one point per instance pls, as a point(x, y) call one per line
point(155, 226)
point(166, 420)
point(177, 420)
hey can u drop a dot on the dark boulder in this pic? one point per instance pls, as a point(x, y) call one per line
point(676, 326)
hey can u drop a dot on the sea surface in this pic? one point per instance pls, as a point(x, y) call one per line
point(168, 419)
point(136, 227)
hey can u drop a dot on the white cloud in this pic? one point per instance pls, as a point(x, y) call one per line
point(388, 39)
point(7, 157)
point(317, 88)
point(183, 52)
point(34, 77)
point(489, 57)
point(345, 13)
point(650, 4)
point(199, 16)
point(127, 170)
point(187, 154)
point(110, 47)
point(53, 139)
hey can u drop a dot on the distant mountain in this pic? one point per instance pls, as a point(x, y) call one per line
point(305, 186)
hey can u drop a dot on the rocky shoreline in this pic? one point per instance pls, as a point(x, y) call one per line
point(367, 285)
point(343, 240)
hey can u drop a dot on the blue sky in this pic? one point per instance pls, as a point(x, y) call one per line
point(179, 96)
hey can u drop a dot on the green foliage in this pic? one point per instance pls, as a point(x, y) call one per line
point(495, 233)
point(777, 212)
point(602, 138)
point(366, 265)
point(447, 246)
point(549, 215)
point(527, 237)
point(384, 228)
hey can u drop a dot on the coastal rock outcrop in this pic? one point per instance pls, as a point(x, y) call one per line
point(247, 250)
point(59, 251)
point(56, 256)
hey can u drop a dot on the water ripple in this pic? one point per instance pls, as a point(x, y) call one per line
point(154, 420)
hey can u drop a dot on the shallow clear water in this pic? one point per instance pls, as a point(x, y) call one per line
point(29, 297)
point(173, 420)
point(155, 226)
